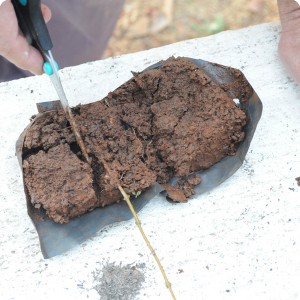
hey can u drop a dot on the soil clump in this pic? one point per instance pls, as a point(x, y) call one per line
point(164, 122)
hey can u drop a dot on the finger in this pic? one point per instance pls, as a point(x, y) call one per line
point(46, 11)
point(25, 56)
point(14, 46)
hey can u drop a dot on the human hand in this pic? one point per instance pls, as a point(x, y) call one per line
point(289, 44)
point(13, 45)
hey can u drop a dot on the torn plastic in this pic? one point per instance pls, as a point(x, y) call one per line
point(57, 238)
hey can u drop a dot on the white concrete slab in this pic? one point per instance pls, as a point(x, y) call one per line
point(239, 241)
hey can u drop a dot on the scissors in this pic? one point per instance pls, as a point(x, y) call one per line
point(33, 26)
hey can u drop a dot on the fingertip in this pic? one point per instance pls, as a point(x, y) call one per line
point(46, 11)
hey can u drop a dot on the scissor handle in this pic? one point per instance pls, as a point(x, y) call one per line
point(32, 23)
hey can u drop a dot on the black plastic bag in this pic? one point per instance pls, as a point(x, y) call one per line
point(57, 238)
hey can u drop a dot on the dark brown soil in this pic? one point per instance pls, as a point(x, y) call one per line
point(162, 123)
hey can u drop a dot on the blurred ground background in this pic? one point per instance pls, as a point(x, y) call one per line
point(147, 24)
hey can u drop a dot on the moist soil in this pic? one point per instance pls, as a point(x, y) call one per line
point(164, 122)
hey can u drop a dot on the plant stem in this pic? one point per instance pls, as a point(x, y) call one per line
point(139, 225)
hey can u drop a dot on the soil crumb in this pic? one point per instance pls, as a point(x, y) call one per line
point(187, 185)
point(164, 122)
point(118, 282)
point(174, 193)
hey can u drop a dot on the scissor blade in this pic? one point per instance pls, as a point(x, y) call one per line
point(59, 90)
point(55, 79)
point(64, 101)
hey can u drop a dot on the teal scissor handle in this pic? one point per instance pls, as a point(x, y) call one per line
point(48, 68)
point(23, 2)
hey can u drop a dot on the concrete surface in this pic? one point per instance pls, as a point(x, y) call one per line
point(239, 241)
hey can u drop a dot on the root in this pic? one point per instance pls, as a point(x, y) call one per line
point(136, 218)
point(78, 137)
point(139, 225)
